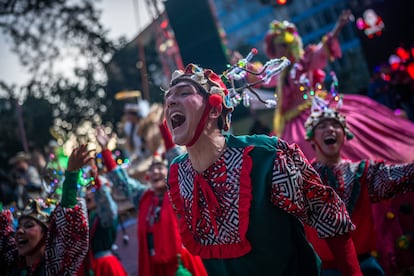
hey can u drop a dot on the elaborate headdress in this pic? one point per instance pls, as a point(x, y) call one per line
point(211, 84)
point(326, 113)
point(38, 210)
point(217, 92)
point(321, 110)
point(283, 32)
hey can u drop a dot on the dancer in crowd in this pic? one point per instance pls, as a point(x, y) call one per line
point(47, 243)
point(103, 221)
point(140, 122)
point(390, 137)
point(26, 179)
point(241, 200)
point(160, 251)
point(133, 115)
point(359, 184)
point(379, 133)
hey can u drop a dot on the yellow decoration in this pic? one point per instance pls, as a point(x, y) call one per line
point(403, 242)
point(50, 201)
point(127, 94)
point(390, 215)
point(289, 38)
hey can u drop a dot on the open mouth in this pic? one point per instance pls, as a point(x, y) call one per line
point(21, 242)
point(329, 141)
point(157, 178)
point(177, 119)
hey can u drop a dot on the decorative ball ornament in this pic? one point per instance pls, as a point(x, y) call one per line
point(215, 100)
point(321, 108)
point(371, 23)
point(390, 215)
point(403, 242)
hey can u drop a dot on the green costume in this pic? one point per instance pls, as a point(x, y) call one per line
point(244, 214)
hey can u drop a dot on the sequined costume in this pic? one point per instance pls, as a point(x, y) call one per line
point(66, 238)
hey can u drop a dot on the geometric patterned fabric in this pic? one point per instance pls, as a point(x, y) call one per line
point(214, 205)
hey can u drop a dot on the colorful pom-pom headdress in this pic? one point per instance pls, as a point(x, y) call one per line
point(283, 32)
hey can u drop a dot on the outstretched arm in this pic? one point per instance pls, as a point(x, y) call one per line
point(345, 17)
point(68, 234)
point(106, 207)
point(318, 56)
point(385, 180)
point(80, 157)
point(131, 188)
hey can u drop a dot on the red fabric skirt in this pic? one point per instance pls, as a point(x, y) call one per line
point(192, 263)
point(108, 265)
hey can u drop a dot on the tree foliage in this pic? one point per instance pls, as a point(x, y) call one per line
point(44, 32)
point(65, 48)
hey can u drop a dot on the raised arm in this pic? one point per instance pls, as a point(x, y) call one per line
point(344, 19)
point(68, 234)
point(106, 207)
point(130, 187)
point(329, 49)
point(80, 157)
point(385, 180)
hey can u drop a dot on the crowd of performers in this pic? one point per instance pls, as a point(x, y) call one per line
point(328, 192)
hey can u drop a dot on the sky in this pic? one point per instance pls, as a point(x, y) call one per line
point(119, 16)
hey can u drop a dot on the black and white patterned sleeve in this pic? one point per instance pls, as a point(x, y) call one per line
point(385, 181)
point(297, 189)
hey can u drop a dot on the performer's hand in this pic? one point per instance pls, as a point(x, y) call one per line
point(345, 17)
point(79, 157)
point(102, 138)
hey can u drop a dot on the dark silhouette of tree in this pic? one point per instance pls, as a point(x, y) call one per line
point(43, 32)
point(64, 48)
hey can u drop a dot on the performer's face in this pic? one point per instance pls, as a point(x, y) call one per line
point(156, 175)
point(281, 50)
point(28, 235)
point(184, 106)
point(329, 138)
point(90, 199)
